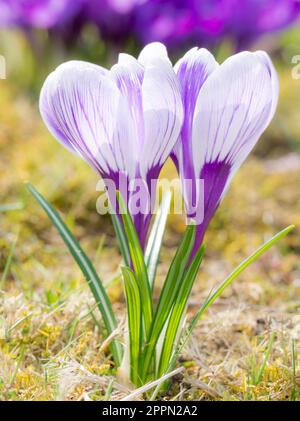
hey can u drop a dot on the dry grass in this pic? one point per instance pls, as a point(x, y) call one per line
point(50, 347)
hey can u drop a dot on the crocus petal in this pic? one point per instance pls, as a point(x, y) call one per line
point(123, 122)
point(192, 71)
point(82, 106)
point(152, 53)
point(132, 64)
point(235, 104)
point(128, 76)
point(274, 81)
point(163, 115)
point(234, 107)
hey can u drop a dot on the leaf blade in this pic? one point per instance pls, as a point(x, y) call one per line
point(212, 297)
point(168, 293)
point(134, 310)
point(138, 263)
point(178, 310)
point(121, 239)
point(156, 236)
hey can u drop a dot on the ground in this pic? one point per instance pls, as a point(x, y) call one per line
point(51, 346)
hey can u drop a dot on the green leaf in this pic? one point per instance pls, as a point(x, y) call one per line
point(262, 367)
point(156, 236)
point(87, 269)
point(178, 310)
point(218, 291)
point(134, 311)
point(241, 267)
point(8, 262)
point(168, 294)
point(121, 238)
point(138, 263)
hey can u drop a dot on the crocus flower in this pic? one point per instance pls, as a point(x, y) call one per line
point(115, 18)
point(37, 13)
point(209, 22)
point(227, 108)
point(256, 18)
point(177, 22)
point(124, 121)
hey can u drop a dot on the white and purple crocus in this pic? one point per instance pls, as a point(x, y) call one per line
point(227, 107)
point(124, 122)
point(130, 119)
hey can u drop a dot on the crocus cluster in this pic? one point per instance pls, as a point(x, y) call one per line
point(210, 22)
point(38, 13)
point(128, 120)
point(174, 22)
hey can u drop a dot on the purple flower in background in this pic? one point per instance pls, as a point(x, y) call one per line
point(208, 22)
point(115, 18)
point(124, 121)
point(227, 108)
point(174, 22)
point(171, 22)
point(38, 13)
point(257, 17)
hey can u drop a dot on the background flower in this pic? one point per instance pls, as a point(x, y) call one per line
point(38, 13)
point(210, 22)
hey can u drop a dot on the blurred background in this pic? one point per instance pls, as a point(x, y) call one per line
point(42, 296)
point(37, 35)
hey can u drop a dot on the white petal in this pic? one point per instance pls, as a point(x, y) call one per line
point(232, 111)
point(274, 80)
point(82, 106)
point(192, 71)
point(128, 76)
point(152, 53)
point(163, 114)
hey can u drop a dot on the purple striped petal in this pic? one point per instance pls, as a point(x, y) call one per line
point(192, 71)
point(163, 115)
point(82, 107)
point(234, 106)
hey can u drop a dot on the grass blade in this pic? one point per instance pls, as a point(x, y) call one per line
point(262, 367)
point(168, 293)
point(212, 297)
point(138, 263)
point(11, 207)
point(121, 238)
point(8, 262)
point(134, 311)
point(155, 238)
point(178, 310)
point(87, 269)
point(239, 269)
point(294, 394)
